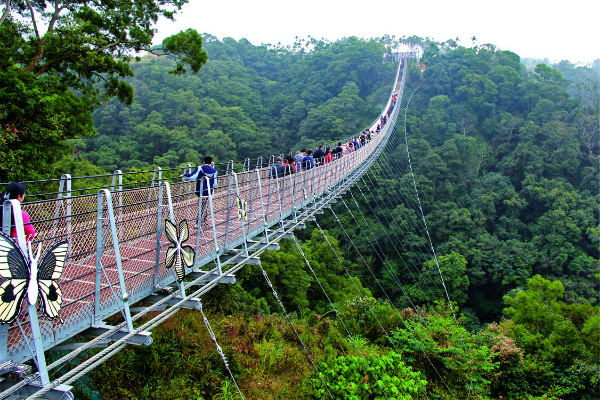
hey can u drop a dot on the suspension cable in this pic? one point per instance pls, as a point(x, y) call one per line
point(338, 314)
point(219, 349)
point(266, 276)
point(392, 304)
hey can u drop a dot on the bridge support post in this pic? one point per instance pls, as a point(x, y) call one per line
point(158, 235)
point(12, 208)
point(156, 176)
point(117, 184)
point(262, 204)
point(165, 187)
point(212, 220)
point(104, 194)
point(229, 204)
point(64, 192)
point(242, 214)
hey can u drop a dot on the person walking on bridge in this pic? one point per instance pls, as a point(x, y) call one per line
point(308, 162)
point(339, 150)
point(319, 154)
point(299, 158)
point(204, 187)
point(277, 169)
point(16, 191)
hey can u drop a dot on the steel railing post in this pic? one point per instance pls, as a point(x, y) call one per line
point(117, 253)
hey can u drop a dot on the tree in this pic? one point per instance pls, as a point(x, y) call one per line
point(59, 60)
point(557, 338)
point(372, 377)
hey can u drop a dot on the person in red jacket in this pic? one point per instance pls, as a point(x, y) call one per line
point(328, 157)
point(16, 191)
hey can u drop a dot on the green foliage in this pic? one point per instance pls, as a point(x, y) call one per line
point(36, 116)
point(295, 282)
point(505, 161)
point(382, 376)
point(187, 48)
point(246, 101)
point(451, 358)
point(559, 340)
point(60, 60)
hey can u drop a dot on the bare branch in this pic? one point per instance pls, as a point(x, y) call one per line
point(55, 14)
point(467, 126)
point(40, 48)
point(6, 12)
point(109, 45)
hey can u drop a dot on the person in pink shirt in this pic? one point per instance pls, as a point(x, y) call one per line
point(16, 191)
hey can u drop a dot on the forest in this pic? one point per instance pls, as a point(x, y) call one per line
point(505, 155)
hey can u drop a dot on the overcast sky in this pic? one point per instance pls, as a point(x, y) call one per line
point(567, 30)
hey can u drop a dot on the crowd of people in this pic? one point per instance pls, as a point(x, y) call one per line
point(307, 159)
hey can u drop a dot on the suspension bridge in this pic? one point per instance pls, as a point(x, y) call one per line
point(120, 246)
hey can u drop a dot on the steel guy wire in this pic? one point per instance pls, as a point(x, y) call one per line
point(360, 293)
point(417, 196)
point(399, 198)
point(362, 296)
point(420, 206)
point(398, 164)
point(219, 349)
point(380, 253)
point(392, 242)
point(294, 328)
point(424, 231)
point(386, 173)
point(392, 304)
point(423, 216)
point(352, 339)
point(420, 254)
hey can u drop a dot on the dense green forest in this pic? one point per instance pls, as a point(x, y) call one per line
point(506, 161)
point(505, 158)
point(247, 101)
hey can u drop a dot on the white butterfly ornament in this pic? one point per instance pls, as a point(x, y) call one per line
point(27, 275)
point(178, 255)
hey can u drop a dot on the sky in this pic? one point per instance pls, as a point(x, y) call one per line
point(531, 28)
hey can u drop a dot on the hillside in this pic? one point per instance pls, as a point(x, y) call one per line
point(506, 164)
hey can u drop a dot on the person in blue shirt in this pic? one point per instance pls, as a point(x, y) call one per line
point(277, 169)
point(203, 186)
point(339, 150)
point(309, 161)
point(319, 154)
point(299, 158)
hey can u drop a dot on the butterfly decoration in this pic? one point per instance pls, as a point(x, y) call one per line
point(178, 255)
point(242, 209)
point(25, 275)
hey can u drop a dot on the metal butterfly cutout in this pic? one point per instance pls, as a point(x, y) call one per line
point(178, 256)
point(26, 275)
point(242, 209)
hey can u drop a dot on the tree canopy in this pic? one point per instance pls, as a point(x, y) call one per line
point(59, 60)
